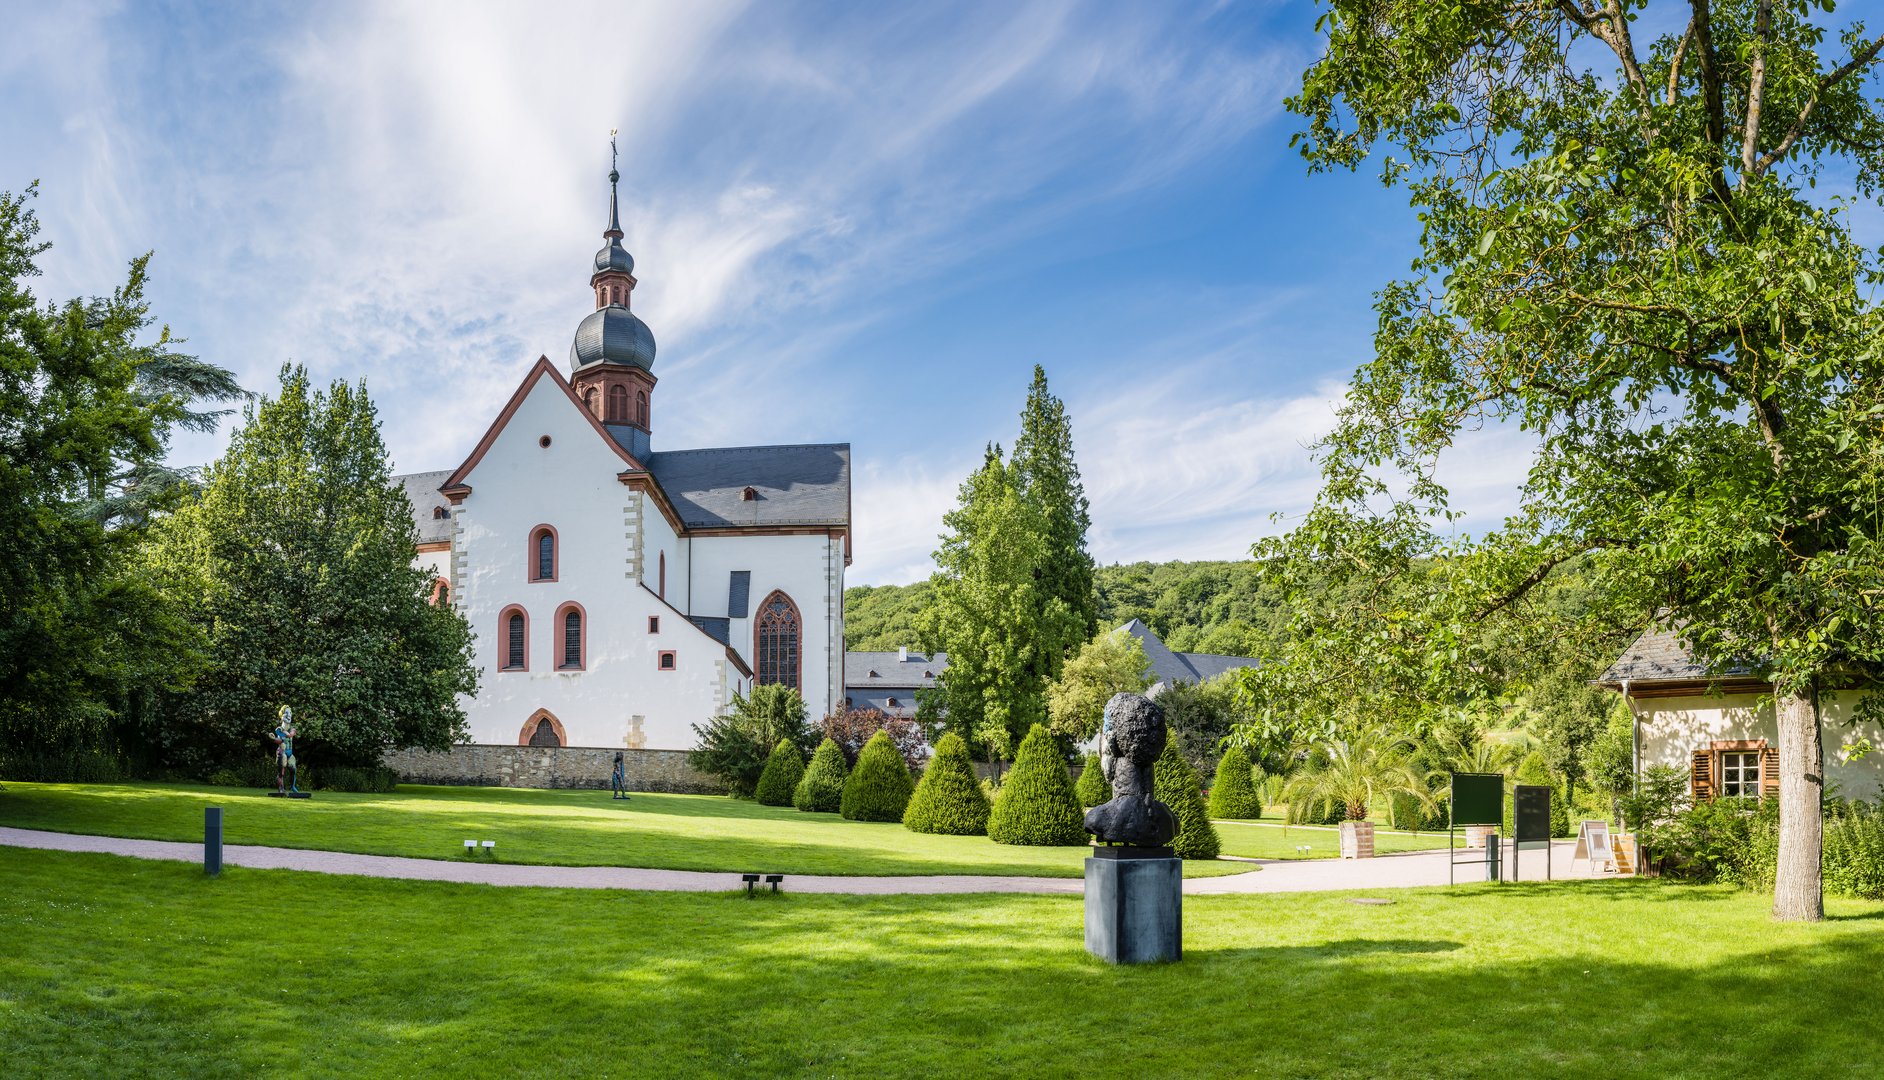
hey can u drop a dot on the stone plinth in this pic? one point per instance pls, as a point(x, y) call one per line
point(1134, 905)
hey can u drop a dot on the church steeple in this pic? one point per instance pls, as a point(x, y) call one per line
point(611, 360)
point(614, 276)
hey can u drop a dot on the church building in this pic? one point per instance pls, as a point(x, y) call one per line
point(621, 594)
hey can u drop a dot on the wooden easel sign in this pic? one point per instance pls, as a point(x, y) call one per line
point(1593, 845)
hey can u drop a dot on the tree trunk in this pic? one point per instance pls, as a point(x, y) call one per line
point(1798, 893)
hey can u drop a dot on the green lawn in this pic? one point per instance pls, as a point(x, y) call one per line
point(1269, 840)
point(116, 967)
point(569, 828)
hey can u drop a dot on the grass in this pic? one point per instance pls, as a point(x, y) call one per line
point(116, 967)
point(566, 828)
point(1270, 840)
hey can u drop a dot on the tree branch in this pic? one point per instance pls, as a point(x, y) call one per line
point(1674, 65)
point(1756, 92)
point(1805, 112)
point(1536, 577)
point(1716, 127)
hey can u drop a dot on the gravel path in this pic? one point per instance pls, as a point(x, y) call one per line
point(1273, 876)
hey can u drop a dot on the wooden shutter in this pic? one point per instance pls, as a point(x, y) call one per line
point(1701, 776)
point(1769, 772)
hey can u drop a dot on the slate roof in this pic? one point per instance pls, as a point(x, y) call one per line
point(422, 493)
point(892, 673)
point(718, 629)
point(1658, 656)
point(794, 485)
point(1168, 667)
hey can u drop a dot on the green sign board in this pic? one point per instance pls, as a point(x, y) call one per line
point(1478, 798)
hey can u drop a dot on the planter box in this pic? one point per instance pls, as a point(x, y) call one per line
point(1475, 835)
point(1357, 839)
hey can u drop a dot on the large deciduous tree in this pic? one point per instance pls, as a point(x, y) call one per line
point(1048, 477)
point(1112, 663)
point(1625, 252)
point(298, 558)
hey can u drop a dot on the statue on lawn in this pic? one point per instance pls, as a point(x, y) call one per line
point(1131, 740)
point(618, 782)
point(287, 772)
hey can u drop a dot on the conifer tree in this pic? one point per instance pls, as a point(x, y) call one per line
point(1175, 784)
point(1093, 788)
point(783, 770)
point(1048, 477)
point(1233, 794)
point(821, 789)
point(879, 787)
point(948, 799)
point(1037, 805)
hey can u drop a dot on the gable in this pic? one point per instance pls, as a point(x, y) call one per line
point(547, 399)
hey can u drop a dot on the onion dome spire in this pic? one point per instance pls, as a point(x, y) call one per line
point(611, 334)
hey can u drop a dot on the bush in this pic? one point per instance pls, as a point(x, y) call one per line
point(373, 778)
point(948, 799)
point(1853, 851)
point(821, 789)
point(227, 778)
point(735, 746)
point(1037, 806)
point(1405, 812)
point(1233, 793)
point(880, 787)
point(1175, 784)
point(853, 728)
point(1093, 788)
point(61, 767)
point(782, 772)
point(1316, 812)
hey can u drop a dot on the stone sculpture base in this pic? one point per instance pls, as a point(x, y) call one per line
point(1134, 905)
point(291, 794)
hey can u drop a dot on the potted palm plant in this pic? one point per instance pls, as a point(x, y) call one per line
point(1354, 772)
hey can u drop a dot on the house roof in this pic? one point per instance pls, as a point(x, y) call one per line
point(870, 670)
point(1168, 667)
point(422, 493)
point(1658, 656)
point(791, 485)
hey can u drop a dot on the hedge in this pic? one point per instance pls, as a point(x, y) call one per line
point(782, 772)
point(821, 789)
point(1037, 806)
point(948, 799)
point(1175, 784)
point(1093, 788)
point(880, 787)
point(1233, 793)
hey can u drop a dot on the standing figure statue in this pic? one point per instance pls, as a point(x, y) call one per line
point(286, 775)
point(619, 781)
point(1131, 740)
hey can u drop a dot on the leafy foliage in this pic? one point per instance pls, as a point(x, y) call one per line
point(948, 798)
point(778, 783)
point(1037, 805)
point(821, 789)
point(880, 618)
point(853, 728)
point(1175, 784)
point(879, 788)
point(1111, 663)
point(1233, 792)
point(1203, 715)
point(1092, 788)
point(736, 745)
point(1048, 478)
point(1352, 772)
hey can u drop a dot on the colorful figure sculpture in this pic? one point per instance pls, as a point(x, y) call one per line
point(619, 781)
point(286, 774)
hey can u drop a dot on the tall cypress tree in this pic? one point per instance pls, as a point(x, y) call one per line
point(1048, 478)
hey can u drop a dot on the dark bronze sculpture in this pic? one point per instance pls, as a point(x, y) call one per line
point(1132, 738)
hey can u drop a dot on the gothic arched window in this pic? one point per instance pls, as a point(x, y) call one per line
point(777, 636)
point(543, 553)
point(617, 404)
point(570, 649)
point(516, 640)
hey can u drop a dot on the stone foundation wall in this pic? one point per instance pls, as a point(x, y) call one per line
point(552, 767)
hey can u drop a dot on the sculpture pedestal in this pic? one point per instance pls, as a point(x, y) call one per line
point(291, 794)
point(1134, 905)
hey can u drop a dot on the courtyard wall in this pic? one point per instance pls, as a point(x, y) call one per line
point(483, 764)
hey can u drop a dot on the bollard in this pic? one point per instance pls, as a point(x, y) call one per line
point(212, 841)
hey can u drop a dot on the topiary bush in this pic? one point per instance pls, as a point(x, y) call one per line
point(948, 799)
point(821, 789)
point(1175, 784)
point(880, 787)
point(782, 772)
point(1233, 793)
point(1093, 788)
point(1037, 805)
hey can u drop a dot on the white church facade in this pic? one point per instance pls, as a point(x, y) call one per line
point(621, 594)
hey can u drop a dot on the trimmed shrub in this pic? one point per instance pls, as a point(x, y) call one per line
point(1315, 812)
point(1233, 793)
point(1175, 784)
point(375, 778)
point(782, 772)
point(1406, 813)
point(1037, 805)
point(1093, 788)
point(821, 789)
point(880, 787)
point(948, 799)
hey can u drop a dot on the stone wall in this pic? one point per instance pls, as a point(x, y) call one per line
point(552, 767)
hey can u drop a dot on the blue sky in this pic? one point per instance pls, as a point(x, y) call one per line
point(858, 223)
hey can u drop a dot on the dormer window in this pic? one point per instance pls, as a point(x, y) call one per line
point(749, 495)
point(439, 513)
point(873, 674)
point(892, 703)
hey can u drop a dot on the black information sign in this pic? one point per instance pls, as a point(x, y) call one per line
point(1478, 798)
point(1530, 816)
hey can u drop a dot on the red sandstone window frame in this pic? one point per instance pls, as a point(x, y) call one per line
point(641, 406)
point(529, 727)
point(503, 638)
point(669, 660)
point(764, 661)
point(441, 592)
point(561, 641)
point(617, 396)
point(654, 624)
point(533, 554)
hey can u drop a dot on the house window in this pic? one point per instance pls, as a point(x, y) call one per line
point(668, 660)
point(618, 404)
point(641, 406)
point(569, 619)
point(893, 703)
point(589, 402)
point(441, 592)
point(777, 634)
point(1740, 774)
point(662, 582)
point(654, 624)
point(515, 626)
point(544, 735)
point(543, 554)
point(439, 513)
